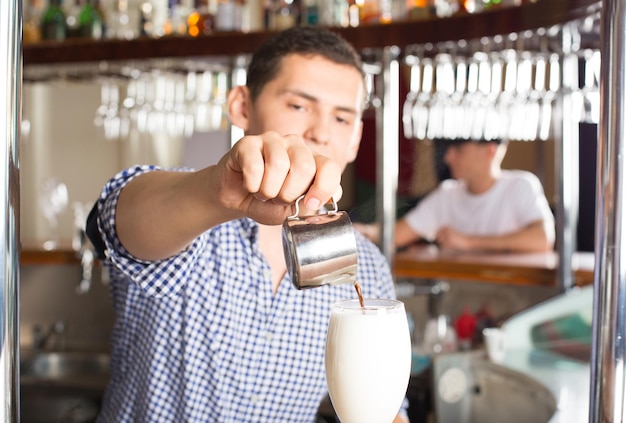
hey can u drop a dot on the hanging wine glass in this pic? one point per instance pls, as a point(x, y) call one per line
point(411, 97)
point(53, 199)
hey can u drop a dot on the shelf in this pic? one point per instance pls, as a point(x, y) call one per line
point(530, 16)
point(33, 253)
point(542, 14)
point(43, 257)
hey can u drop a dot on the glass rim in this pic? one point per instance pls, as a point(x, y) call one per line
point(369, 304)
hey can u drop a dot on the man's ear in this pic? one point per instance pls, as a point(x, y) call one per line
point(238, 102)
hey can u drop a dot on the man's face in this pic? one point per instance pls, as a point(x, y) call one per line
point(467, 159)
point(317, 99)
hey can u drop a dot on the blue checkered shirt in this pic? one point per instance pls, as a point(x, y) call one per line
point(200, 337)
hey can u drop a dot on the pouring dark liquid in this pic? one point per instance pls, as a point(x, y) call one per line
point(357, 287)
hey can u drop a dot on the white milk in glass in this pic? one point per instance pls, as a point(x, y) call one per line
point(368, 360)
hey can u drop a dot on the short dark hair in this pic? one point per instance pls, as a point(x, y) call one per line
point(308, 41)
point(459, 141)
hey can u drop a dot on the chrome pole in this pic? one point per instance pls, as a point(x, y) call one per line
point(608, 376)
point(566, 152)
point(10, 116)
point(387, 139)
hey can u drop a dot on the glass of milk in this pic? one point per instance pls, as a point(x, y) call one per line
point(368, 360)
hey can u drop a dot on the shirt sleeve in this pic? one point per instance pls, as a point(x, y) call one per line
point(532, 200)
point(155, 278)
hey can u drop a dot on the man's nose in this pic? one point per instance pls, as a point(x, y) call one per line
point(318, 129)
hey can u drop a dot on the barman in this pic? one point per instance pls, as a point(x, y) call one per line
point(209, 327)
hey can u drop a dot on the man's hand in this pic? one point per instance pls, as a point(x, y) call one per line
point(451, 239)
point(263, 175)
point(160, 213)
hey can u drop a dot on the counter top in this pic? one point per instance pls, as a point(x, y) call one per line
point(567, 379)
point(428, 262)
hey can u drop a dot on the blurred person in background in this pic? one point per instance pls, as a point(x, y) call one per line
point(481, 208)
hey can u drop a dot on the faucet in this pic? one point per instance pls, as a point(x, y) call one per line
point(42, 338)
point(82, 246)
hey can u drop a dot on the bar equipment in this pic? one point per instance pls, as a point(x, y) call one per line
point(320, 249)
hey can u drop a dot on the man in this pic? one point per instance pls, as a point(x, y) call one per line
point(209, 327)
point(482, 208)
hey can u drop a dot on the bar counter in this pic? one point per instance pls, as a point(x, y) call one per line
point(538, 269)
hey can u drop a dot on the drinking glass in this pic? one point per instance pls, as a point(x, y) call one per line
point(368, 360)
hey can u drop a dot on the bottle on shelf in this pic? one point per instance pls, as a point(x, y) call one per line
point(333, 13)
point(379, 11)
point(446, 8)
point(477, 6)
point(310, 13)
point(90, 20)
point(200, 21)
point(153, 16)
point(473, 6)
point(423, 9)
point(146, 20)
point(229, 15)
point(72, 10)
point(53, 22)
point(370, 11)
point(348, 12)
point(284, 14)
point(32, 22)
point(268, 12)
point(252, 16)
point(399, 11)
point(177, 13)
point(120, 23)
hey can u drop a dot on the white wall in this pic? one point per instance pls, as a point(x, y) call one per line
point(64, 143)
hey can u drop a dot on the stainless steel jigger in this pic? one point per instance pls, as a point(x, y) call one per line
point(320, 249)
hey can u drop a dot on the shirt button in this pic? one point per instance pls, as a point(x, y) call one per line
point(267, 274)
point(269, 337)
point(255, 399)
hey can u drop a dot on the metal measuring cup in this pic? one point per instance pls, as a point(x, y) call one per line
point(320, 249)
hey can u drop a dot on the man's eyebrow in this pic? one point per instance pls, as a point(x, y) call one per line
point(314, 99)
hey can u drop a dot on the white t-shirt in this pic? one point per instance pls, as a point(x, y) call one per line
point(515, 200)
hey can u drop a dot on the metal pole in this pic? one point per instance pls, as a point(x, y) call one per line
point(387, 139)
point(10, 116)
point(566, 146)
point(608, 375)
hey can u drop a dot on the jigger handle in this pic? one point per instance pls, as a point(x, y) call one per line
point(297, 207)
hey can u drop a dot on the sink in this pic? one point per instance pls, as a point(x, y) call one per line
point(65, 365)
point(62, 386)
